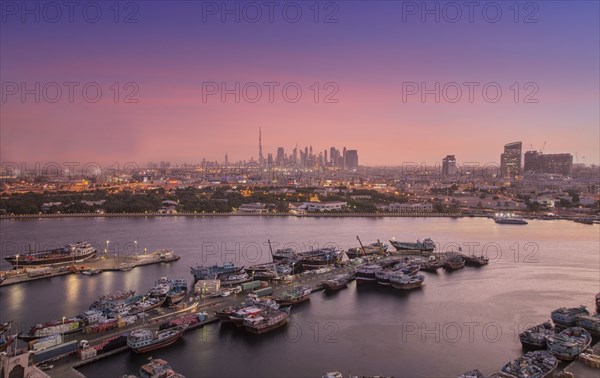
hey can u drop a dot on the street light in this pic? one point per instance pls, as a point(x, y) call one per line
point(63, 328)
point(17, 262)
point(136, 247)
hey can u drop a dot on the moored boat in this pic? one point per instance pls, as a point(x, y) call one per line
point(336, 283)
point(568, 344)
point(267, 321)
point(508, 218)
point(233, 279)
point(566, 317)
point(472, 374)
point(591, 323)
point(427, 245)
point(403, 281)
point(293, 296)
point(146, 305)
point(377, 248)
point(284, 253)
point(366, 273)
point(105, 300)
point(70, 253)
point(161, 287)
point(454, 262)
point(158, 368)
point(144, 339)
point(535, 337)
point(179, 290)
point(214, 271)
point(64, 327)
point(472, 260)
point(316, 259)
point(537, 364)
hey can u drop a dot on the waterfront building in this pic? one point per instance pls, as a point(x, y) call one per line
point(510, 161)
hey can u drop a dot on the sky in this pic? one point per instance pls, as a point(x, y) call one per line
point(407, 81)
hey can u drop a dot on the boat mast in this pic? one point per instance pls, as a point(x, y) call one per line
point(361, 245)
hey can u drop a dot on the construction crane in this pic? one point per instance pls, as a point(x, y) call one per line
point(542, 149)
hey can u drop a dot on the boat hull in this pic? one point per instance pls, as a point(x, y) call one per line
point(271, 327)
point(162, 344)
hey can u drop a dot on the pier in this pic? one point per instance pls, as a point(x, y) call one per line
point(99, 264)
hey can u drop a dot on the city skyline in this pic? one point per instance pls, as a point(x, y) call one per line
point(377, 83)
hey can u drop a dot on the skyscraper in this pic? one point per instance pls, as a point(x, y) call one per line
point(280, 155)
point(510, 161)
point(351, 159)
point(261, 158)
point(449, 166)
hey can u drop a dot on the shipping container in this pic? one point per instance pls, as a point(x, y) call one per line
point(264, 291)
point(251, 285)
point(56, 352)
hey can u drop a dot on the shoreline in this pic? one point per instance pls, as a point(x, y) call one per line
point(305, 215)
point(202, 215)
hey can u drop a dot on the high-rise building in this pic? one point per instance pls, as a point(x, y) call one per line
point(280, 155)
point(510, 161)
point(536, 162)
point(351, 159)
point(556, 163)
point(449, 166)
point(530, 164)
point(261, 158)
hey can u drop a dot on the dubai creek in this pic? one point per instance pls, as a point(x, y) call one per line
point(455, 322)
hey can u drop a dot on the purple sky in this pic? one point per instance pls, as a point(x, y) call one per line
point(372, 52)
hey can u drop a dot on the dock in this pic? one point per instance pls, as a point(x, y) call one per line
point(101, 263)
point(67, 367)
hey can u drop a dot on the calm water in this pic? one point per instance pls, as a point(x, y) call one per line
point(456, 322)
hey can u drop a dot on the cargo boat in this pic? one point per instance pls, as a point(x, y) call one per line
point(535, 337)
point(284, 253)
point(472, 374)
point(537, 364)
point(157, 368)
point(64, 327)
point(426, 245)
point(377, 248)
point(454, 262)
point(590, 323)
point(366, 273)
point(568, 344)
point(70, 253)
point(146, 305)
point(473, 260)
point(293, 296)
point(179, 290)
point(233, 279)
point(566, 317)
point(161, 287)
point(402, 281)
point(267, 321)
point(336, 283)
point(145, 340)
point(320, 258)
point(104, 301)
point(214, 271)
